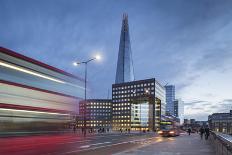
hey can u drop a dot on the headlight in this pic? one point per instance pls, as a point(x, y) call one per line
point(171, 132)
point(160, 132)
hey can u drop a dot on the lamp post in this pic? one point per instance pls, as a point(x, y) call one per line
point(86, 67)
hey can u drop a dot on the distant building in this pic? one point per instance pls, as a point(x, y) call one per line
point(193, 124)
point(221, 122)
point(170, 98)
point(179, 109)
point(98, 114)
point(201, 123)
point(192, 121)
point(186, 121)
point(138, 105)
point(125, 70)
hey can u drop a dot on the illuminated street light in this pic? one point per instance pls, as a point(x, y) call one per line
point(97, 57)
point(75, 64)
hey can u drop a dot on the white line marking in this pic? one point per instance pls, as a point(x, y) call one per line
point(87, 146)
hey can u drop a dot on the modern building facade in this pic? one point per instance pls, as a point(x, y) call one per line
point(125, 70)
point(179, 109)
point(35, 96)
point(170, 98)
point(221, 122)
point(98, 114)
point(138, 105)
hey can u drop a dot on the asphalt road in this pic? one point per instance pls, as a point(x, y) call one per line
point(105, 144)
point(72, 144)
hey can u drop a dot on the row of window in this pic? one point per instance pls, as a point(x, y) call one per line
point(118, 125)
point(100, 114)
point(99, 107)
point(134, 90)
point(118, 121)
point(131, 95)
point(99, 103)
point(121, 100)
point(121, 104)
point(122, 108)
point(96, 118)
point(116, 117)
point(97, 121)
point(121, 112)
point(133, 86)
point(97, 125)
point(96, 107)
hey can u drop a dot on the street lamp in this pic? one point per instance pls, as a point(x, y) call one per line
point(97, 57)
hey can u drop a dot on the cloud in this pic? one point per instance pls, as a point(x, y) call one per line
point(194, 102)
point(201, 109)
point(185, 43)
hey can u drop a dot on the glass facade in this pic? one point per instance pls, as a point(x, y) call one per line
point(170, 98)
point(140, 115)
point(125, 70)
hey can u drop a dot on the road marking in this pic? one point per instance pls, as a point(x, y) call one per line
point(87, 146)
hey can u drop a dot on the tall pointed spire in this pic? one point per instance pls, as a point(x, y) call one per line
point(125, 70)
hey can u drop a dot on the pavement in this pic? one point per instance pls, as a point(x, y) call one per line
point(105, 144)
point(181, 145)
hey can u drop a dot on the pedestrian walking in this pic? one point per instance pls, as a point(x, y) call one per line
point(207, 133)
point(202, 131)
point(189, 131)
point(82, 130)
point(74, 128)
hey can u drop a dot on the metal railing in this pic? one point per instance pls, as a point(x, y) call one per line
point(222, 143)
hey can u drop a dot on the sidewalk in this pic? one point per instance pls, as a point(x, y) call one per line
point(181, 145)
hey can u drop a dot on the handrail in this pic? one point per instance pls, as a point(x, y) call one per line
point(222, 143)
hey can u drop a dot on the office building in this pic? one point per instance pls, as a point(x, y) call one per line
point(170, 98)
point(179, 109)
point(98, 114)
point(192, 121)
point(35, 96)
point(138, 105)
point(221, 122)
point(125, 70)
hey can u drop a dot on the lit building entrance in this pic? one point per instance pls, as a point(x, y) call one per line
point(142, 110)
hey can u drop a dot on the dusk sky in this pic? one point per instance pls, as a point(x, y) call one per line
point(187, 43)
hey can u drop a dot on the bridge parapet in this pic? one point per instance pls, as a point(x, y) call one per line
point(222, 143)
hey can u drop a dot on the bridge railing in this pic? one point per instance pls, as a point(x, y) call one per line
point(222, 143)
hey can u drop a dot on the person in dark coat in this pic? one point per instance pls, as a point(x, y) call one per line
point(207, 133)
point(202, 131)
point(189, 131)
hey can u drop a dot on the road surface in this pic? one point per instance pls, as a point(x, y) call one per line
point(105, 144)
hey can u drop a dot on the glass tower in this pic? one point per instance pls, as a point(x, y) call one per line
point(170, 98)
point(125, 70)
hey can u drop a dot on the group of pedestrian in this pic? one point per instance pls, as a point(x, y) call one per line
point(205, 131)
point(126, 130)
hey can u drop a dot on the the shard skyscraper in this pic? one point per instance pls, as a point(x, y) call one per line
point(125, 70)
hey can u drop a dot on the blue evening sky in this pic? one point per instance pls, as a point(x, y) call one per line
point(187, 43)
